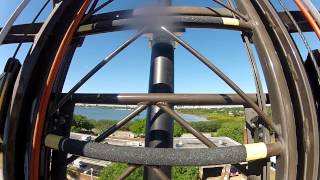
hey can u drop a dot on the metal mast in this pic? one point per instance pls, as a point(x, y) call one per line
point(159, 126)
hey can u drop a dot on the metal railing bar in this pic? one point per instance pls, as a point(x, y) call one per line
point(94, 70)
point(230, 3)
point(165, 107)
point(153, 98)
point(127, 172)
point(115, 127)
point(90, 13)
point(160, 174)
point(32, 22)
point(93, 5)
point(121, 123)
point(164, 156)
point(8, 25)
point(215, 69)
point(194, 132)
point(242, 16)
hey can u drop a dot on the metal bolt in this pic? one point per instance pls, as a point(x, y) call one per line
point(260, 135)
point(62, 120)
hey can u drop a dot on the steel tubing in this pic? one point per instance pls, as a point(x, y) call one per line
point(159, 125)
point(164, 156)
point(153, 98)
point(186, 125)
point(127, 172)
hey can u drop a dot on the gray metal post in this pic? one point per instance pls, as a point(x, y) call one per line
point(159, 126)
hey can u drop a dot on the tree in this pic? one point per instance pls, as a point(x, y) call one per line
point(178, 130)
point(233, 131)
point(114, 170)
point(182, 173)
point(138, 126)
point(81, 124)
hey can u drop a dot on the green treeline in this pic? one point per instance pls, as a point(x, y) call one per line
point(221, 122)
point(114, 170)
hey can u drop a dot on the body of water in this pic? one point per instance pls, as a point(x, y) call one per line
point(99, 113)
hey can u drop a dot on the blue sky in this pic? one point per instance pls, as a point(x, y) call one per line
point(129, 71)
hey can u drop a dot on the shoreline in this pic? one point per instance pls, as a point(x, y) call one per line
point(112, 106)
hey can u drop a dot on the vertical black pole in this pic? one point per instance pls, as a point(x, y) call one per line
point(62, 126)
point(159, 129)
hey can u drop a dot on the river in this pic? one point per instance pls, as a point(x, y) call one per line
point(100, 113)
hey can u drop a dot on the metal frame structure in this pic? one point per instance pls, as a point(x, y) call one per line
point(37, 128)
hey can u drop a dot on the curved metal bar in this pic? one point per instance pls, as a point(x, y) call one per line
point(47, 90)
point(278, 87)
point(164, 156)
point(302, 36)
point(175, 22)
point(92, 11)
point(127, 172)
point(30, 85)
point(303, 125)
point(169, 11)
point(32, 22)
point(4, 31)
point(173, 99)
point(184, 17)
point(186, 125)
